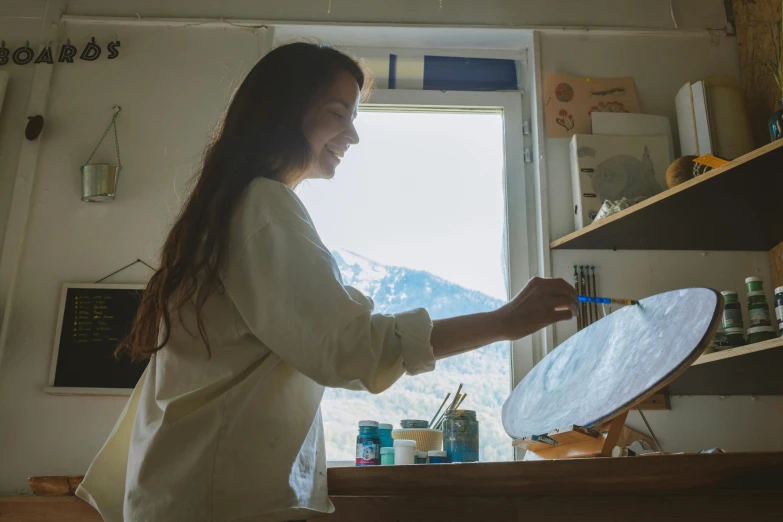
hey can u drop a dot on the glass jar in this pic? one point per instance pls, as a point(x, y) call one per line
point(754, 284)
point(719, 341)
point(760, 334)
point(732, 310)
point(735, 337)
point(368, 444)
point(385, 433)
point(779, 308)
point(408, 424)
point(461, 436)
point(758, 309)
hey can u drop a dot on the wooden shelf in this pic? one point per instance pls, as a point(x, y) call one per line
point(735, 207)
point(755, 369)
point(742, 350)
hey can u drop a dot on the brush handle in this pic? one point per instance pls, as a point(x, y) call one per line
point(588, 299)
point(604, 300)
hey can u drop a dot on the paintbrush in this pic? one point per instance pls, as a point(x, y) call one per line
point(595, 292)
point(590, 293)
point(450, 407)
point(443, 415)
point(583, 290)
point(576, 287)
point(459, 403)
point(606, 300)
point(456, 397)
point(438, 412)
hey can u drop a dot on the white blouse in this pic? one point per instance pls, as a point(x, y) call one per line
point(239, 436)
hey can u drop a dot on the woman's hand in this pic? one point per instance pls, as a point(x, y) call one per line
point(542, 302)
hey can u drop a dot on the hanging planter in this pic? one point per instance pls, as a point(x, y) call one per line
point(99, 180)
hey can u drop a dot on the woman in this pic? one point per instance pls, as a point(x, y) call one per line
point(247, 319)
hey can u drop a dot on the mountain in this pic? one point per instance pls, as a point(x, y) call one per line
point(395, 289)
point(485, 373)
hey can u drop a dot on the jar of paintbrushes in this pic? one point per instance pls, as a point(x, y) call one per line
point(461, 436)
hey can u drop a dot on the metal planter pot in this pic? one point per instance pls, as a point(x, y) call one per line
point(99, 182)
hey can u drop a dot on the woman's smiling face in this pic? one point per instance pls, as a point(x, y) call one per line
point(328, 125)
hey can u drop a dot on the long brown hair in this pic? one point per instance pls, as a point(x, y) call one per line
point(260, 136)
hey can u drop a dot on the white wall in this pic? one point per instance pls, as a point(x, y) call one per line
point(172, 85)
point(506, 13)
point(16, 26)
point(660, 66)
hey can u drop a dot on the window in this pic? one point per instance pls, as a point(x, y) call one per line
point(416, 217)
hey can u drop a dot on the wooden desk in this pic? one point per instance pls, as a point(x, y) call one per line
point(737, 487)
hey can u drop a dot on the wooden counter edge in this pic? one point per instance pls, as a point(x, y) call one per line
point(667, 473)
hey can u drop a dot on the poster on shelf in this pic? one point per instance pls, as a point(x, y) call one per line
point(570, 100)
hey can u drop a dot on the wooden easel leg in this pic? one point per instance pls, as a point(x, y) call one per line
point(613, 429)
point(584, 446)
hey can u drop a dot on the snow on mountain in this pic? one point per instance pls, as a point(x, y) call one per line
point(395, 289)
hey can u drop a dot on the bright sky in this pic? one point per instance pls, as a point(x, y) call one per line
point(423, 191)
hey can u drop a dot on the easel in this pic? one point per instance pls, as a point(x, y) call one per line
point(580, 442)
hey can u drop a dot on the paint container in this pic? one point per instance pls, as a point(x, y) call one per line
point(622, 451)
point(426, 439)
point(461, 436)
point(414, 423)
point(385, 434)
point(754, 284)
point(368, 444)
point(732, 310)
point(735, 337)
point(387, 456)
point(758, 309)
point(404, 452)
point(719, 341)
point(779, 308)
point(760, 334)
point(438, 457)
point(420, 457)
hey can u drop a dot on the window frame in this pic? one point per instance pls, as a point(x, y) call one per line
point(519, 250)
point(518, 244)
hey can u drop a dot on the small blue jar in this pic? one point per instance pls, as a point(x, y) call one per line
point(368, 444)
point(461, 436)
point(438, 457)
point(384, 432)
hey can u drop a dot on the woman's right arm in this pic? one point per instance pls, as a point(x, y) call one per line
point(542, 302)
point(287, 288)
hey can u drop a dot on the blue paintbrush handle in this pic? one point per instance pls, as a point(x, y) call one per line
point(601, 300)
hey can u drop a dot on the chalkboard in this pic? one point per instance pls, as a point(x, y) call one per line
point(92, 321)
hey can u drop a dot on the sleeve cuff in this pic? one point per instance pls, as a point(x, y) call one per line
point(414, 328)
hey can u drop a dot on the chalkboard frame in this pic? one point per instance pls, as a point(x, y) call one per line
point(68, 390)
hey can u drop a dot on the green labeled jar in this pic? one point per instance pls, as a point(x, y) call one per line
point(754, 284)
point(760, 334)
point(758, 309)
point(735, 337)
point(732, 310)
